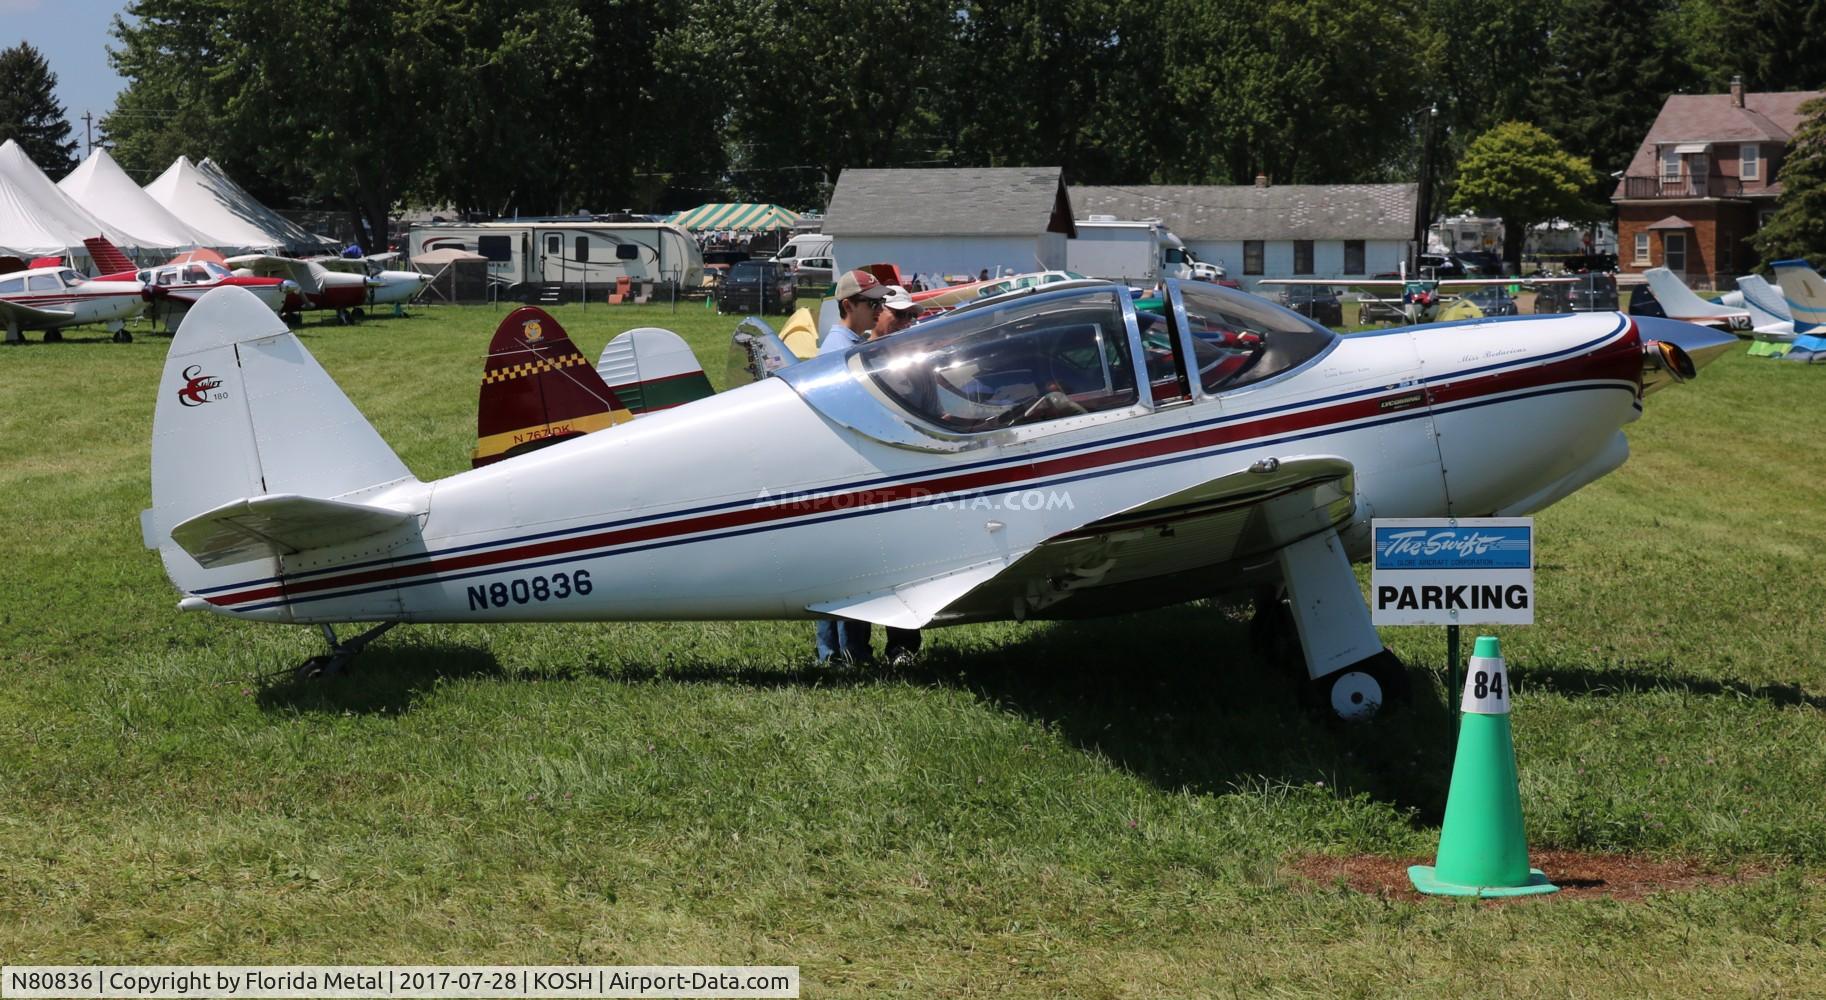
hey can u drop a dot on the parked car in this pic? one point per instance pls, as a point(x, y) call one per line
point(1585, 263)
point(1492, 300)
point(1594, 292)
point(1442, 266)
point(1482, 263)
point(1318, 303)
point(756, 286)
point(815, 271)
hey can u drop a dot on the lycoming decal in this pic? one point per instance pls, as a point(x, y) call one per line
point(200, 388)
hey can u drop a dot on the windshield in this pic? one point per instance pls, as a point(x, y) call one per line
point(1003, 366)
point(70, 278)
point(1239, 339)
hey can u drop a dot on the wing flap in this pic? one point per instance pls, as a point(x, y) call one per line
point(280, 524)
point(913, 604)
point(26, 315)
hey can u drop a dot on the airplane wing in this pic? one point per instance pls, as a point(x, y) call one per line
point(1454, 284)
point(26, 316)
point(1212, 534)
point(268, 266)
point(1392, 284)
point(260, 526)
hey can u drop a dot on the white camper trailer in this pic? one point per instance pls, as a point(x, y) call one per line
point(579, 258)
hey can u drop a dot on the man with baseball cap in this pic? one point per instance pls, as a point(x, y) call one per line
point(898, 311)
point(859, 298)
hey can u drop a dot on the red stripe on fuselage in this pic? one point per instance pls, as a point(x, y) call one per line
point(1618, 360)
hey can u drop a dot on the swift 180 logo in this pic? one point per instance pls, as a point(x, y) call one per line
point(200, 388)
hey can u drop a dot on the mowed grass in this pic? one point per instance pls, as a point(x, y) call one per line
point(1093, 809)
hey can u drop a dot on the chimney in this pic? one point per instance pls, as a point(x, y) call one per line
point(1261, 180)
point(1737, 91)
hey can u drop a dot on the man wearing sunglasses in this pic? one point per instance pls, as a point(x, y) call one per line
point(859, 298)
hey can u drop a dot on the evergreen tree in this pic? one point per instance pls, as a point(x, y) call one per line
point(30, 112)
point(1798, 228)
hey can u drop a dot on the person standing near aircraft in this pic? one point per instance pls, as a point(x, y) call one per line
point(898, 311)
point(859, 297)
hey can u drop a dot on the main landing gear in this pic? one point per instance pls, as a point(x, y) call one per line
point(1320, 627)
point(341, 654)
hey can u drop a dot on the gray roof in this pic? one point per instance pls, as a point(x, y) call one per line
point(967, 201)
point(1248, 212)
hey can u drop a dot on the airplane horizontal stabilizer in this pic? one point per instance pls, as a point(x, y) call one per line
point(280, 524)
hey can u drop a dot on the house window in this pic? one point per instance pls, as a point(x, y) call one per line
point(1353, 257)
point(1252, 256)
point(1302, 256)
point(1670, 164)
point(1674, 252)
point(1642, 248)
point(1749, 163)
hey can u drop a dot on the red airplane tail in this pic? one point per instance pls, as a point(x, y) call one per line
point(107, 257)
point(537, 389)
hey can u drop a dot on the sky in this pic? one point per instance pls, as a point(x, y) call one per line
point(73, 35)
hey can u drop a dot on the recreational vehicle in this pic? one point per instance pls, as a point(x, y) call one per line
point(580, 258)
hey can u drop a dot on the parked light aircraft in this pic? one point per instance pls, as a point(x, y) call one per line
point(1806, 294)
point(176, 286)
point(322, 288)
point(1679, 302)
point(393, 287)
point(1769, 315)
point(51, 298)
point(1049, 453)
point(1420, 299)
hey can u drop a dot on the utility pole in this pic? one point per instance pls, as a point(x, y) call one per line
point(1423, 202)
point(88, 133)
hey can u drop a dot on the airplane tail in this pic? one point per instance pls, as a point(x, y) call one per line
point(109, 261)
point(1768, 312)
point(1805, 291)
point(1679, 301)
point(257, 454)
point(755, 352)
point(652, 369)
point(538, 389)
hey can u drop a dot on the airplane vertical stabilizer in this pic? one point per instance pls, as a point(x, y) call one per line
point(537, 390)
point(107, 257)
point(1681, 303)
point(244, 411)
point(1805, 291)
point(650, 369)
point(1760, 296)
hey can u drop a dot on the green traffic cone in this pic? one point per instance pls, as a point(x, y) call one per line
point(1482, 849)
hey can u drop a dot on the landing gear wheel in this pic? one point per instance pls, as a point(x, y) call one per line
point(123, 337)
point(319, 667)
point(53, 337)
point(1362, 690)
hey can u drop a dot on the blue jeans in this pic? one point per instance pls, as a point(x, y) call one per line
point(851, 636)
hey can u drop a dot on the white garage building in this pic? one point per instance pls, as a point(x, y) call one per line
point(1262, 231)
point(951, 221)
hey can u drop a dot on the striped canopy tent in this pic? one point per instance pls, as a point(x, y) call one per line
point(745, 217)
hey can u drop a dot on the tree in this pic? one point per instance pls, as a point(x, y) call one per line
point(30, 112)
point(1519, 174)
point(1798, 227)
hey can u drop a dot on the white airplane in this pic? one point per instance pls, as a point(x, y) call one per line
point(1679, 302)
point(322, 288)
point(392, 287)
point(51, 298)
point(1769, 315)
point(1050, 453)
point(1805, 291)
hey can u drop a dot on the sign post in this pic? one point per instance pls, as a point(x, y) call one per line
point(1452, 571)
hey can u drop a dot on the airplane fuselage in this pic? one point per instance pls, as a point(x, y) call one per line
point(786, 498)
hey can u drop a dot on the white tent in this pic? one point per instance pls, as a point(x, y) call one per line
point(38, 220)
point(104, 189)
point(205, 198)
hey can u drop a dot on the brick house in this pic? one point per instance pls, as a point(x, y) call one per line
point(1703, 181)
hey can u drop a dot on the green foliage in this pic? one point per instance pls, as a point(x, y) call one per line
point(30, 113)
point(1798, 228)
point(1519, 174)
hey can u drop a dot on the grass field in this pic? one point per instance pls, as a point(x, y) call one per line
point(1111, 809)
